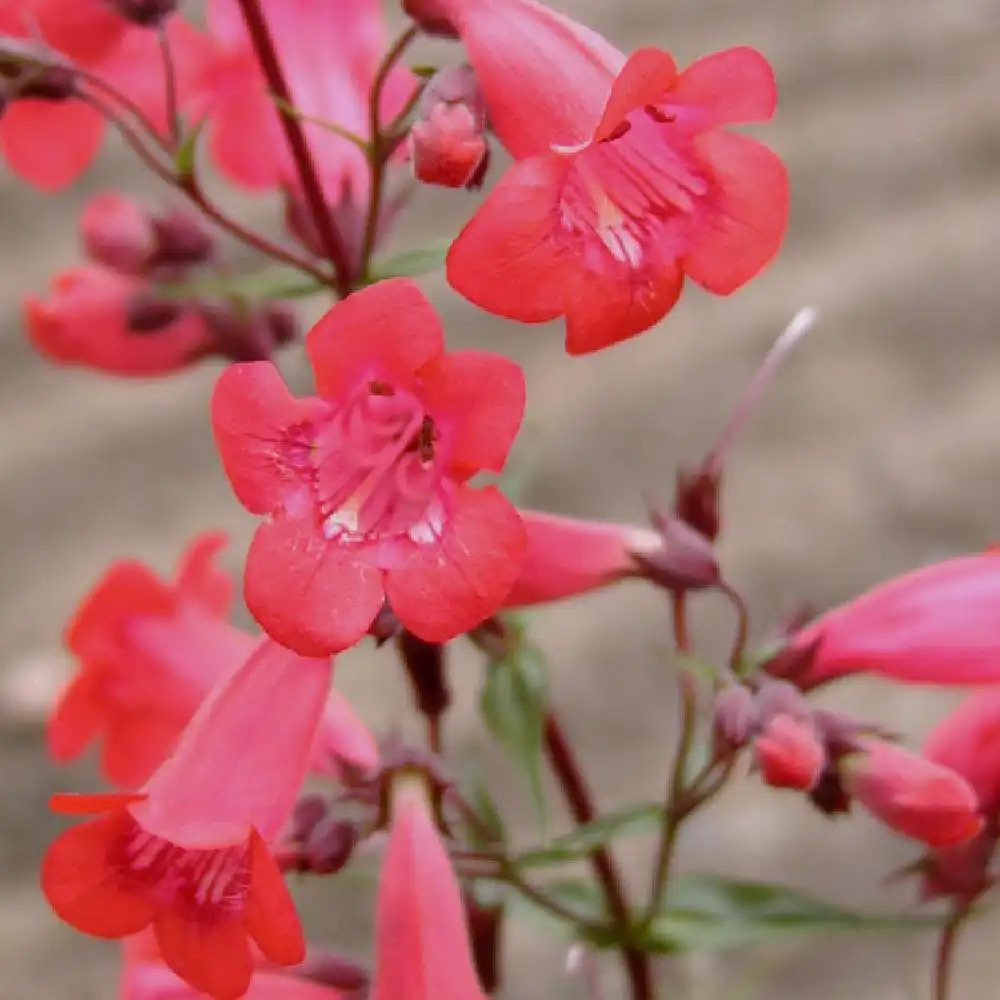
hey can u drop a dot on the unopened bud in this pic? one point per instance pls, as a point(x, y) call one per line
point(117, 231)
point(448, 140)
point(238, 333)
point(430, 18)
point(282, 323)
point(828, 795)
point(145, 13)
point(424, 663)
point(789, 754)
point(781, 698)
point(386, 625)
point(309, 810)
point(181, 238)
point(486, 936)
point(684, 561)
point(335, 970)
point(145, 313)
point(697, 500)
point(330, 845)
point(734, 718)
point(30, 69)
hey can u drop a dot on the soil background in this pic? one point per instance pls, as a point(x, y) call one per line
point(878, 449)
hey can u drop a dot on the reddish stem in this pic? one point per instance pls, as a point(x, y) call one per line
point(581, 806)
point(267, 56)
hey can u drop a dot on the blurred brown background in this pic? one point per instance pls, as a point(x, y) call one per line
point(878, 449)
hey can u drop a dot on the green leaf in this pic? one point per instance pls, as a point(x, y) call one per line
point(645, 818)
point(710, 913)
point(492, 831)
point(271, 283)
point(184, 158)
point(424, 72)
point(411, 264)
point(513, 704)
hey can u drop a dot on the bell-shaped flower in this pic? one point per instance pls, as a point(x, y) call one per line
point(149, 652)
point(916, 797)
point(188, 854)
point(422, 949)
point(365, 485)
point(626, 180)
point(49, 139)
point(936, 625)
point(90, 320)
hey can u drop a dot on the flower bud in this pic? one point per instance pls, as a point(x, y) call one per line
point(430, 18)
point(788, 754)
point(685, 561)
point(386, 625)
point(486, 937)
point(448, 140)
point(30, 69)
point(781, 698)
point(697, 500)
point(145, 13)
point(424, 663)
point(239, 332)
point(734, 718)
point(116, 231)
point(181, 238)
point(330, 845)
point(145, 313)
point(282, 323)
point(828, 795)
point(914, 796)
point(309, 810)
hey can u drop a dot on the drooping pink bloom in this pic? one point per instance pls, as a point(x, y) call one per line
point(329, 53)
point(51, 142)
point(365, 485)
point(85, 321)
point(936, 625)
point(422, 949)
point(789, 754)
point(188, 854)
point(145, 976)
point(917, 797)
point(625, 180)
point(566, 557)
point(149, 653)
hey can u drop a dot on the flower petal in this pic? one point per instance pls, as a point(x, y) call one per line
point(308, 592)
point(214, 958)
point(610, 306)
point(84, 888)
point(479, 399)
point(449, 586)
point(253, 414)
point(644, 79)
point(736, 85)
point(505, 260)
point(747, 220)
point(50, 144)
point(136, 743)
point(78, 716)
point(387, 330)
point(270, 917)
point(200, 579)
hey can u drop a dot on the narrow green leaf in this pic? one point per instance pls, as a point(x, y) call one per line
point(710, 913)
point(492, 831)
point(271, 283)
point(184, 158)
point(513, 702)
point(411, 264)
point(634, 820)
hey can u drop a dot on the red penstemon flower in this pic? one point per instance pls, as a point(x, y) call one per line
point(188, 853)
point(628, 187)
point(365, 485)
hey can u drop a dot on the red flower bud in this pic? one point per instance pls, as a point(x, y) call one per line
point(733, 718)
point(309, 810)
point(424, 663)
point(118, 232)
point(486, 937)
point(145, 313)
point(789, 754)
point(330, 845)
point(32, 70)
point(684, 562)
point(697, 500)
point(914, 796)
point(145, 13)
point(448, 141)
point(181, 238)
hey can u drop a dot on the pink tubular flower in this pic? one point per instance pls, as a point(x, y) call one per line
point(364, 486)
point(566, 557)
point(51, 142)
point(936, 625)
point(329, 53)
point(625, 179)
point(915, 796)
point(188, 854)
point(85, 322)
point(150, 652)
point(422, 949)
point(145, 976)
point(789, 754)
